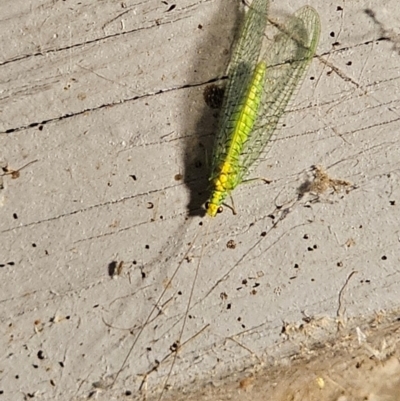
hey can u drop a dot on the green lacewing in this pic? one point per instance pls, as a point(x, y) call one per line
point(260, 85)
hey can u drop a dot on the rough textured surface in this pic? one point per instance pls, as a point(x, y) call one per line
point(104, 143)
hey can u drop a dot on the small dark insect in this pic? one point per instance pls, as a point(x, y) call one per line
point(213, 96)
point(231, 244)
point(115, 268)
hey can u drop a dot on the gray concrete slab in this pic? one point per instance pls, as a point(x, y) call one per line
point(105, 140)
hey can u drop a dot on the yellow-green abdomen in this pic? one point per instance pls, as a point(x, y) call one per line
point(227, 171)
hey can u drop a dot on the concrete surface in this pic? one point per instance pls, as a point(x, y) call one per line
point(104, 143)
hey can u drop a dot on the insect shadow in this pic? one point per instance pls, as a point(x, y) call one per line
point(198, 157)
point(208, 98)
